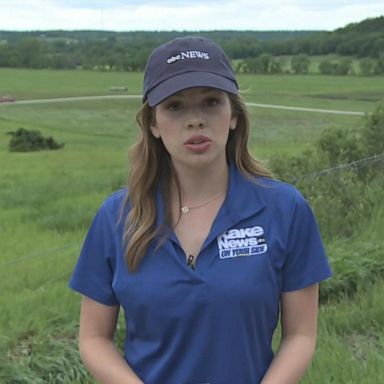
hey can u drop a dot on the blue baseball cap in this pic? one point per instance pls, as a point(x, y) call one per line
point(187, 62)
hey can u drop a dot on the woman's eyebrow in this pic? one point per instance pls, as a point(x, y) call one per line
point(204, 91)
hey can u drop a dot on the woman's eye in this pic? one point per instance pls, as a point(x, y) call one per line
point(212, 101)
point(174, 106)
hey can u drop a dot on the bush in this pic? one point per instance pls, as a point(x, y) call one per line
point(373, 131)
point(340, 145)
point(327, 67)
point(275, 67)
point(329, 178)
point(343, 67)
point(300, 64)
point(24, 140)
point(252, 65)
point(379, 66)
point(263, 64)
point(366, 66)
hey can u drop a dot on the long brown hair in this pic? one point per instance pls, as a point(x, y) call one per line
point(150, 166)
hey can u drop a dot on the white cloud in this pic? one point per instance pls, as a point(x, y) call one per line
point(122, 15)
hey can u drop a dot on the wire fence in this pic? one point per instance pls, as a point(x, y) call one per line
point(53, 279)
point(54, 251)
point(33, 275)
point(341, 167)
point(48, 252)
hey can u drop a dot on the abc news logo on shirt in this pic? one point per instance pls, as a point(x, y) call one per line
point(242, 242)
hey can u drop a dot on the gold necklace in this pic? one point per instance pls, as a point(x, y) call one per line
point(185, 208)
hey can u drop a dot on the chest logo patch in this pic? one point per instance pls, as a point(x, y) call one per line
point(242, 242)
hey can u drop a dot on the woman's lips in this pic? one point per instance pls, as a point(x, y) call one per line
point(198, 144)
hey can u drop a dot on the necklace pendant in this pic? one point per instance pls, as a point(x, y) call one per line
point(185, 209)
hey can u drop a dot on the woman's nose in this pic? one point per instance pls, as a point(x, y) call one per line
point(195, 121)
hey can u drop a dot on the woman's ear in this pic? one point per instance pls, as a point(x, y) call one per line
point(155, 132)
point(233, 122)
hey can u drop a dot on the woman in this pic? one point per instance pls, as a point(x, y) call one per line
point(204, 248)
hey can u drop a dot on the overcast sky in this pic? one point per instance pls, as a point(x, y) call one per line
point(191, 15)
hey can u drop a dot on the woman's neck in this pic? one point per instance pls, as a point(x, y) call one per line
point(200, 184)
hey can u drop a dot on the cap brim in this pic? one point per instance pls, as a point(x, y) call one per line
point(189, 80)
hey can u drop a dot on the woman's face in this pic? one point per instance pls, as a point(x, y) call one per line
point(194, 126)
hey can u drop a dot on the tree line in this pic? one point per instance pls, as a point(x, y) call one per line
point(254, 52)
point(300, 65)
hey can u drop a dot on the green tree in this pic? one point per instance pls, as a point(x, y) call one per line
point(344, 66)
point(253, 65)
point(31, 53)
point(276, 66)
point(4, 55)
point(300, 64)
point(379, 66)
point(239, 66)
point(366, 66)
point(340, 145)
point(327, 67)
point(265, 62)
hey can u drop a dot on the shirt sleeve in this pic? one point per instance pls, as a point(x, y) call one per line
point(94, 271)
point(306, 262)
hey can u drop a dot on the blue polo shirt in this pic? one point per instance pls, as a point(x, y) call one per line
point(213, 324)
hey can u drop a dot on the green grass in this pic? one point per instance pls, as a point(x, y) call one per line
point(351, 339)
point(352, 93)
point(47, 200)
point(277, 132)
point(349, 93)
point(34, 84)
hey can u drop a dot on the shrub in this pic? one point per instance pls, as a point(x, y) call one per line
point(379, 66)
point(340, 145)
point(252, 65)
point(366, 66)
point(300, 64)
point(338, 188)
point(276, 66)
point(264, 64)
point(343, 67)
point(265, 61)
point(326, 67)
point(24, 140)
point(373, 131)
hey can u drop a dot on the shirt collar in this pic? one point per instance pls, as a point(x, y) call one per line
point(244, 198)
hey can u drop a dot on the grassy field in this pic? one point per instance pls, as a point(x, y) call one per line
point(317, 91)
point(47, 200)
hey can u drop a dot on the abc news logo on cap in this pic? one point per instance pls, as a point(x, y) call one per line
point(188, 55)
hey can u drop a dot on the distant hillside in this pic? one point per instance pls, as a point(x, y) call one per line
point(103, 35)
point(364, 39)
point(121, 50)
point(128, 51)
point(366, 26)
